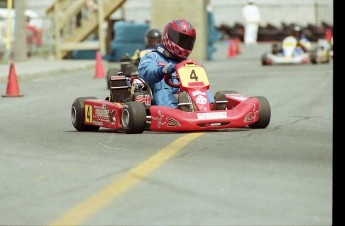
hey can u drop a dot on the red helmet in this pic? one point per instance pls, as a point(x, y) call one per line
point(179, 37)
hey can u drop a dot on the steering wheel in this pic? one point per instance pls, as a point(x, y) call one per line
point(169, 80)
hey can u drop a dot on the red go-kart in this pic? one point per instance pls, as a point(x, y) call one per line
point(129, 106)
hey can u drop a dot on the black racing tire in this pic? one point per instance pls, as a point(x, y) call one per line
point(78, 115)
point(313, 56)
point(220, 96)
point(133, 117)
point(276, 48)
point(264, 59)
point(111, 72)
point(264, 114)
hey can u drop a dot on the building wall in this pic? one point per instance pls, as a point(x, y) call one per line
point(276, 12)
point(159, 12)
point(195, 12)
point(230, 11)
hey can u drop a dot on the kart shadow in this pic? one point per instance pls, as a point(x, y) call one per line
point(119, 131)
point(203, 131)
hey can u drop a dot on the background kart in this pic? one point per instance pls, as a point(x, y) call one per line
point(127, 66)
point(286, 53)
point(321, 53)
point(129, 108)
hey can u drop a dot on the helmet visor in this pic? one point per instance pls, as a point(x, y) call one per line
point(182, 40)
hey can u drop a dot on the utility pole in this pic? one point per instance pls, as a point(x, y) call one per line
point(20, 47)
point(101, 36)
point(316, 12)
point(7, 54)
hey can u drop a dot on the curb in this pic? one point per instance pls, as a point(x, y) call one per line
point(29, 70)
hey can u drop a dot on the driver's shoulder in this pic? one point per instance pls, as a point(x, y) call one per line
point(155, 55)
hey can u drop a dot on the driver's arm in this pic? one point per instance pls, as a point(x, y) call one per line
point(151, 70)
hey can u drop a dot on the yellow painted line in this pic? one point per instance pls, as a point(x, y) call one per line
point(96, 202)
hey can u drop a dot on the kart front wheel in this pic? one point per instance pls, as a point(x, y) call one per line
point(264, 59)
point(264, 114)
point(133, 117)
point(78, 115)
point(221, 101)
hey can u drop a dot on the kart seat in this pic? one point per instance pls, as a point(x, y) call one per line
point(119, 89)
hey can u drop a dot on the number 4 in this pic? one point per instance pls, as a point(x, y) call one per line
point(193, 75)
point(88, 113)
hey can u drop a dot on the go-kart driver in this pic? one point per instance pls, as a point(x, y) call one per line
point(152, 38)
point(177, 43)
point(303, 44)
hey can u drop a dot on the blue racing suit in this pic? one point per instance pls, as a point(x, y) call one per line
point(150, 70)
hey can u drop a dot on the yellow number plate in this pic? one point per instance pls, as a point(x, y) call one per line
point(191, 74)
point(88, 113)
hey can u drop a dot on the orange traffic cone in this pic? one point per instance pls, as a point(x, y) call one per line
point(232, 48)
point(12, 84)
point(328, 34)
point(99, 70)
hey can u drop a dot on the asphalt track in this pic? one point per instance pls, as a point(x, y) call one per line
point(281, 175)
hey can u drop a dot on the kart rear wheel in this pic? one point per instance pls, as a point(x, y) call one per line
point(111, 72)
point(133, 117)
point(78, 115)
point(264, 114)
point(276, 48)
point(313, 56)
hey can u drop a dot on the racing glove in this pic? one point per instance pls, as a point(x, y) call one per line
point(168, 69)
